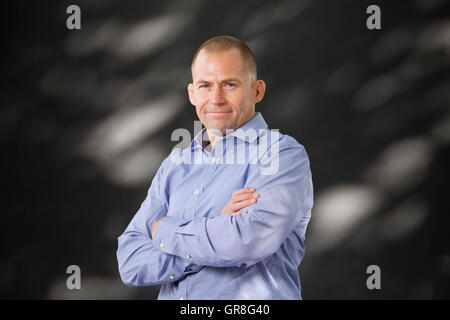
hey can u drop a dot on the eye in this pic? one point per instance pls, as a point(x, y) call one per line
point(230, 84)
point(203, 86)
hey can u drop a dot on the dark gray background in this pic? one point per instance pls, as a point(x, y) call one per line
point(86, 118)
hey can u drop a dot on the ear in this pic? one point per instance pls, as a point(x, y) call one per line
point(260, 89)
point(190, 89)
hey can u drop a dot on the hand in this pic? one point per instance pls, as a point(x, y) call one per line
point(154, 226)
point(240, 199)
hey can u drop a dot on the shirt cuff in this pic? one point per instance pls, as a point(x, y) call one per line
point(165, 232)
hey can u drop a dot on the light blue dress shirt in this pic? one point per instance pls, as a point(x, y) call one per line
point(198, 254)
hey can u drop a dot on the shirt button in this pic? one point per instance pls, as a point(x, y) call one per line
point(197, 192)
point(171, 276)
point(181, 298)
point(161, 244)
point(188, 256)
point(213, 160)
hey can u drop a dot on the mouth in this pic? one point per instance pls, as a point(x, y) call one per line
point(219, 112)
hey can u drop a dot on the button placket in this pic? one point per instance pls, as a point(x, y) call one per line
point(208, 173)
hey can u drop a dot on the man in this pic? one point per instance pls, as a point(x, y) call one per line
point(226, 217)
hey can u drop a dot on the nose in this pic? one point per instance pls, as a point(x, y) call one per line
point(217, 95)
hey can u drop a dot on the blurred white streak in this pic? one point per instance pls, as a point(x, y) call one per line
point(376, 92)
point(344, 78)
point(192, 6)
point(147, 36)
point(135, 167)
point(92, 288)
point(129, 127)
point(63, 81)
point(101, 36)
point(403, 220)
point(436, 36)
point(128, 41)
point(83, 86)
point(379, 90)
point(402, 165)
point(139, 89)
point(337, 211)
point(258, 45)
point(270, 15)
point(392, 44)
point(441, 131)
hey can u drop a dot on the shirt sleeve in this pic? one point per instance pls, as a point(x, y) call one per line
point(140, 262)
point(286, 199)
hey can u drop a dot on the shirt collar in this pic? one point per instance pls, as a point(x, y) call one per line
point(249, 131)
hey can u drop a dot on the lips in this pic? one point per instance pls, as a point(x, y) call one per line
point(218, 111)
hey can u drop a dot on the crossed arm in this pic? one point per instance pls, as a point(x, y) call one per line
point(239, 199)
point(156, 249)
point(147, 264)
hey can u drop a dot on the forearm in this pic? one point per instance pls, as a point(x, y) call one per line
point(141, 264)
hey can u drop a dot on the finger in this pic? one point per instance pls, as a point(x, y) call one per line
point(232, 212)
point(239, 205)
point(244, 196)
point(236, 213)
point(251, 199)
point(243, 190)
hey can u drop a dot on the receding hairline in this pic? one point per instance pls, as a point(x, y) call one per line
point(222, 44)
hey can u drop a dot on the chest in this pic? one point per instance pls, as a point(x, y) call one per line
point(203, 190)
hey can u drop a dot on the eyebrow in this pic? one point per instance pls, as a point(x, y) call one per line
point(224, 80)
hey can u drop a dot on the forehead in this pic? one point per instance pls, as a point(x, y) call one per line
point(229, 63)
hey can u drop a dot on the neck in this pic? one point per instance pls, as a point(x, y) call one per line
point(213, 137)
point(214, 134)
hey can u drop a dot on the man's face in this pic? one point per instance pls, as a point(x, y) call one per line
point(223, 91)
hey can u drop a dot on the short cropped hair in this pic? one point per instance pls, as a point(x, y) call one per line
point(225, 43)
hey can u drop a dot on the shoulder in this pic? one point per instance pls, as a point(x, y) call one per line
point(282, 155)
point(276, 141)
point(176, 157)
